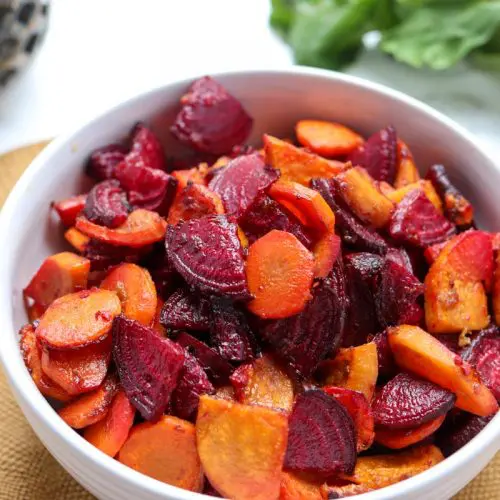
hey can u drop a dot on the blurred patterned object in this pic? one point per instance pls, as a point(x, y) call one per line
point(22, 27)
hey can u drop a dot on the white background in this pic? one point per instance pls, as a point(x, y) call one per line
point(100, 52)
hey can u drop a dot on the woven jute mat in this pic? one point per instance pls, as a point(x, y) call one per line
point(27, 470)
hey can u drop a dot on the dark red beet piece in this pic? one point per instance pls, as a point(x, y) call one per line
point(458, 430)
point(102, 256)
point(211, 120)
point(102, 161)
point(106, 204)
point(148, 365)
point(230, 333)
point(350, 228)
point(449, 340)
point(193, 382)
point(400, 256)
point(305, 339)
point(386, 363)
point(396, 296)
point(184, 310)
point(362, 272)
point(266, 214)
point(165, 277)
point(239, 379)
point(378, 155)
point(483, 354)
point(217, 368)
point(207, 253)
point(416, 221)
point(241, 181)
point(147, 147)
point(406, 401)
point(321, 436)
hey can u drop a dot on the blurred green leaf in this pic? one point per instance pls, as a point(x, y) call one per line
point(385, 16)
point(282, 13)
point(440, 36)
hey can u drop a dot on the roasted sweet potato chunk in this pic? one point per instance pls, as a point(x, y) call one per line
point(301, 487)
point(136, 291)
point(406, 172)
point(420, 353)
point(243, 465)
point(166, 451)
point(76, 239)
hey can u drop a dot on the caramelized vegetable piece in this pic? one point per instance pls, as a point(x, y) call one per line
point(166, 451)
point(402, 438)
point(279, 275)
point(326, 252)
point(193, 175)
point(92, 407)
point(241, 465)
point(345, 490)
point(78, 319)
point(407, 172)
point(418, 352)
point(76, 239)
point(327, 138)
point(110, 433)
point(457, 208)
point(184, 310)
point(496, 290)
point(359, 409)
point(364, 198)
point(296, 164)
point(136, 291)
point(78, 370)
point(301, 487)
point(424, 186)
point(59, 275)
point(354, 368)
point(267, 384)
point(379, 471)
point(33, 362)
point(69, 209)
point(193, 201)
point(141, 228)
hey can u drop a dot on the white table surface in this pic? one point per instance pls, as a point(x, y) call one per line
point(99, 52)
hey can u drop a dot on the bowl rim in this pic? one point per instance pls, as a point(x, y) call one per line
point(25, 390)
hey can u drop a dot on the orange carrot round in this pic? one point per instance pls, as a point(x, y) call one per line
point(279, 271)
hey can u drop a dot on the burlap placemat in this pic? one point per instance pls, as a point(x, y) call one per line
point(27, 470)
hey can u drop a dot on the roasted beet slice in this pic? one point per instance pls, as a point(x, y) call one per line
point(148, 188)
point(379, 155)
point(265, 214)
point(396, 296)
point(148, 365)
point(456, 207)
point(483, 354)
point(147, 147)
point(400, 256)
point(416, 221)
point(102, 256)
point(217, 368)
point(406, 401)
point(186, 310)
point(230, 333)
point(458, 429)
point(321, 436)
point(162, 271)
point(307, 338)
point(241, 181)
point(207, 253)
point(386, 363)
point(362, 276)
point(352, 231)
point(192, 383)
point(211, 120)
point(102, 161)
point(107, 204)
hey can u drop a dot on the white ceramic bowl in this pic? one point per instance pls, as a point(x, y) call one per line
point(276, 100)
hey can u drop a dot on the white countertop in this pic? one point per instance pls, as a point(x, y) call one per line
point(99, 52)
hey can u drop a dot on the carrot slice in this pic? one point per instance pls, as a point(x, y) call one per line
point(32, 360)
point(141, 228)
point(279, 275)
point(301, 487)
point(70, 208)
point(326, 250)
point(166, 451)
point(402, 438)
point(156, 325)
point(76, 239)
point(92, 407)
point(327, 138)
point(136, 291)
point(110, 433)
point(59, 275)
point(419, 352)
point(241, 448)
point(296, 164)
point(407, 172)
point(78, 319)
point(193, 175)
